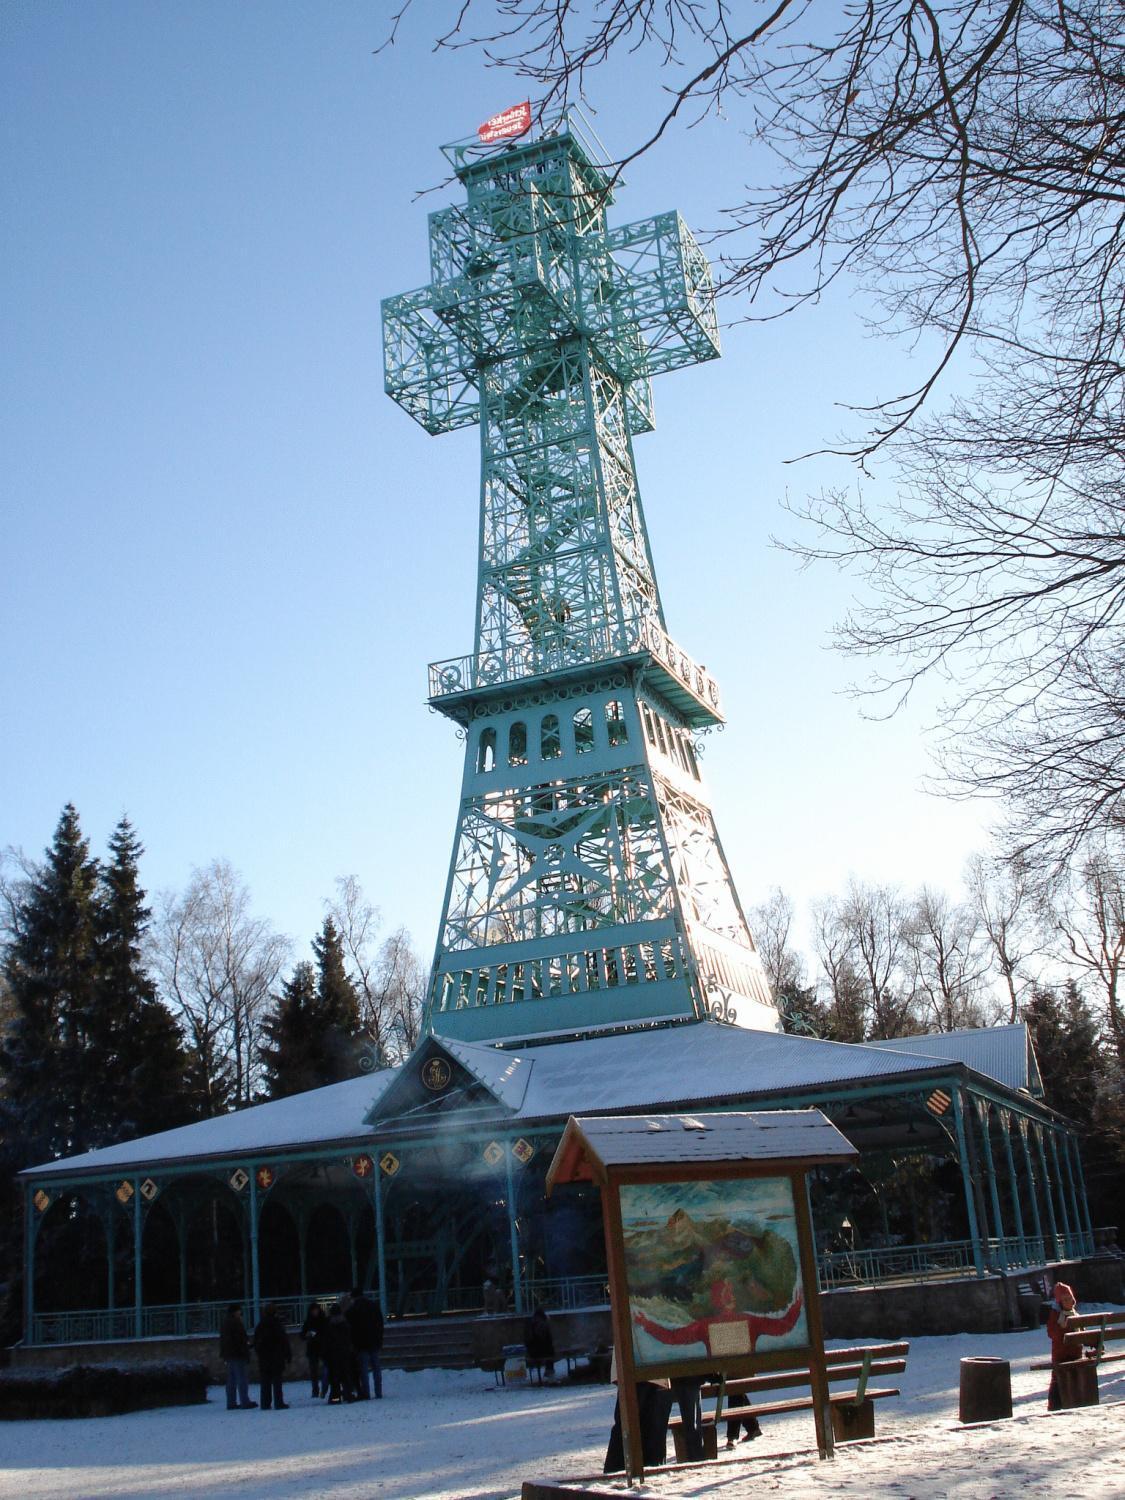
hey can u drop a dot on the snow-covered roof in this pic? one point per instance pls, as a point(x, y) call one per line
point(332, 1113)
point(663, 1069)
point(684, 1065)
point(1001, 1052)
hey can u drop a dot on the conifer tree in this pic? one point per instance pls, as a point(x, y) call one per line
point(292, 1055)
point(312, 1035)
point(337, 1004)
point(51, 970)
point(139, 1054)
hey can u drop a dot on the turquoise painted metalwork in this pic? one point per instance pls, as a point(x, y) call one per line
point(588, 888)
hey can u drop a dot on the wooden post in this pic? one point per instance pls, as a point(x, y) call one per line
point(622, 1333)
point(818, 1374)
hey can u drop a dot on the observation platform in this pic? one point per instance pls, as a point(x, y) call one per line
point(456, 684)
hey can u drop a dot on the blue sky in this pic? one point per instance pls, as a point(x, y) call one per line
point(227, 556)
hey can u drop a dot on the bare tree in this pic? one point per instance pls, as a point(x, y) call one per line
point(1004, 899)
point(1090, 919)
point(943, 939)
point(875, 917)
point(217, 964)
point(836, 951)
point(772, 926)
point(388, 975)
point(964, 163)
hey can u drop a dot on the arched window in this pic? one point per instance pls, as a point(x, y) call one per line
point(583, 731)
point(486, 750)
point(550, 745)
point(650, 728)
point(615, 723)
point(517, 744)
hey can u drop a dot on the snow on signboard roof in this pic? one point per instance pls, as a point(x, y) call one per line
point(697, 1140)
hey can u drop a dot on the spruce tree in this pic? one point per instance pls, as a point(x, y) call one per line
point(137, 1048)
point(337, 1005)
point(292, 1054)
point(312, 1037)
point(51, 970)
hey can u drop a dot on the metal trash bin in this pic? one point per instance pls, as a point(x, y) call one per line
point(986, 1389)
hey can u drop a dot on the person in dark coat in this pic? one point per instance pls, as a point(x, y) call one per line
point(365, 1319)
point(338, 1355)
point(539, 1341)
point(234, 1347)
point(312, 1331)
point(271, 1344)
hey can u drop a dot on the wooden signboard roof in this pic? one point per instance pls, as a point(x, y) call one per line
point(590, 1148)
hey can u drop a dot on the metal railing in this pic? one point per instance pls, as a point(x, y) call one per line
point(878, 1266)
point(464, 674)
point(836, 1269)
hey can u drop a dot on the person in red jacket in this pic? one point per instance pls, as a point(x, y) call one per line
point(1064, 1309)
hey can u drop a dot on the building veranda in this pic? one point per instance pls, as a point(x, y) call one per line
point(426, 1181)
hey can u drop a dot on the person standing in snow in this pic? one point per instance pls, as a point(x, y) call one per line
point(234, 1348)
point(366, 1323)
point(1060, 1321)
point(312, 1331)
point(271, 1344)
point(338, 1356)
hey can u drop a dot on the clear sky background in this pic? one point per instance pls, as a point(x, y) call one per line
point(226, 556)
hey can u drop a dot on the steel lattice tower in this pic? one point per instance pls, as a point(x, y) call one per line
point(588, 888)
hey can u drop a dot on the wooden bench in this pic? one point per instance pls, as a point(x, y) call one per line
point(1078, 1377)
point(853, 1412)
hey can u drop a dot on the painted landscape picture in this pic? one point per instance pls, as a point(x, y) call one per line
point(712, 1269)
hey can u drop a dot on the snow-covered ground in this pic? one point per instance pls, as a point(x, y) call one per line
point(451, 1435)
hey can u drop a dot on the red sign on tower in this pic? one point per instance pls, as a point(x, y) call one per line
point(508, 123)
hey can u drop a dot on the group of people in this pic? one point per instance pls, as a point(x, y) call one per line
point(343, 1347)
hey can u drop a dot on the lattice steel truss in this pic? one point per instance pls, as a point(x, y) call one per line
point(588, 886)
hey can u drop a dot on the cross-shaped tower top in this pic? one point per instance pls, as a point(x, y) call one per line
point(545, 326)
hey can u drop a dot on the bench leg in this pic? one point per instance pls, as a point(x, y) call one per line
point(852, 1420)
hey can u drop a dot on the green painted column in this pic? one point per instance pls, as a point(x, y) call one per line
point(138, 1287)
point(967, 1181)
point(981, 1112)
point(1080, 1183)
point(1013, 1180)
point(1032, 1186)
point(1060, 1188)
point(513, 1231)
point(380, 1239)
point(255, 1277)
point(1070, 1197)
point(303, 1257)
point(109, 1224)
point(1047, 1191)
point(30, 1233)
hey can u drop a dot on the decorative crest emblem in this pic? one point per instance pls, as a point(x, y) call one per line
point(436, 1075)
point(493, 1153)
point(265, 1178)
point(363, 1166)
point(124, 1192)
point(149, 1190)
point(523, 1151)
point(238, 1179)
point(389, 1163)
